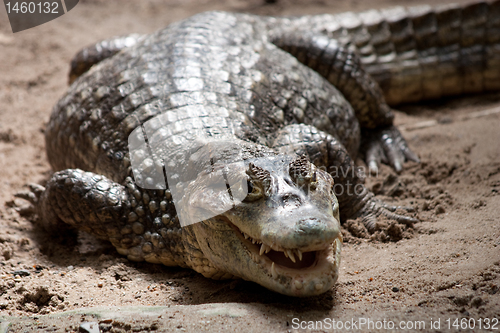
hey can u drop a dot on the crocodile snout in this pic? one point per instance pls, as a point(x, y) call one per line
point(304, 228)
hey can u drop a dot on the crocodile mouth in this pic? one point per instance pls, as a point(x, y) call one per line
point(289, 258)
point(293, 265)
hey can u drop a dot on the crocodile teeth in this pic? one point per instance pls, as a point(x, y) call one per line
point(264, 248)
point(298, 284)
point(299, 254)
point(273, 271)
point(318, 286)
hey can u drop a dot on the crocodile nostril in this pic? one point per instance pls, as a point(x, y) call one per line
point(316, 228)
point(291, 199)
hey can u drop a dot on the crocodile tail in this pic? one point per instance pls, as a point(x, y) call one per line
point(422, 53)
point(416, 53)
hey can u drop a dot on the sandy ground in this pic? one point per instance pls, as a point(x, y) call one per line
point(444, 268)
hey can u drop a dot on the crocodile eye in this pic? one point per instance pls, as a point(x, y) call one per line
point(314, 181)
point(335, 208)
point(314, 177)
point(250, 186)
point(254, 192)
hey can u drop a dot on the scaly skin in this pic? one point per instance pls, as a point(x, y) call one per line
point(223, 94)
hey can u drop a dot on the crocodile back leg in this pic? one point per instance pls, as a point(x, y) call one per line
point(91, 55)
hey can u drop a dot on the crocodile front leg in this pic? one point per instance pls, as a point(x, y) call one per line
point(110, 211)
point(91, 55)
point(327, 152)
point(85, 201)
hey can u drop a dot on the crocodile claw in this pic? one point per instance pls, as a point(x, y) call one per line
point(386, 145)
point(32, 196)
point(375, 208)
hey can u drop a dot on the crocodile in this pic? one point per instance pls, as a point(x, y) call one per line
point(279, 107)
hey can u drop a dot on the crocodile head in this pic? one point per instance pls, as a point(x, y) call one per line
point(284, 235)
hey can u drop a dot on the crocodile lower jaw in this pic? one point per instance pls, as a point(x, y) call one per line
point(308, 273)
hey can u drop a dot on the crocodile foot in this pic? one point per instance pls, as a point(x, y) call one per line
point(386, 145)
point(373, 208)
point(32, 196)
